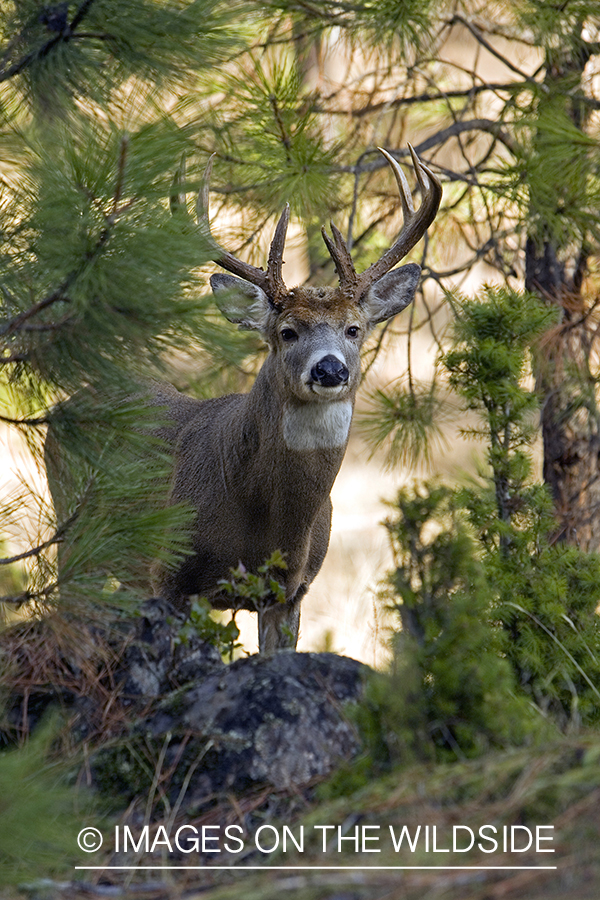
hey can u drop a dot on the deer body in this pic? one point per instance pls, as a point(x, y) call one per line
point(252, 493)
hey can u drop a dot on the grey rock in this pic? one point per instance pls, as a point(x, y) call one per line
point(154, 662)
point(278, 721)
point(197, 727)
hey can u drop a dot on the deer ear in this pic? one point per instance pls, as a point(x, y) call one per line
point(392, 293)
point(243, 303)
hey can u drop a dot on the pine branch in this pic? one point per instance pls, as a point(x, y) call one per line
point(120, 174)
point(285, 138)
point(46, 326)
point(56, 296)
point(81, 13)
point(13, 358)
point(65, 35)
point(29, 58)
point(56, 538)
point(28, 596)
point(40, 420)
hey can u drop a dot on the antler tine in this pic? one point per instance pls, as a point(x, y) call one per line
point(415, 223)
point(419, 168)
point(275, 264)
point(338, 250)
point(408, 208)
point(222, 257)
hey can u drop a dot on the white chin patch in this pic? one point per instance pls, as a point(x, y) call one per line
point(329, 392)
point(317, 426)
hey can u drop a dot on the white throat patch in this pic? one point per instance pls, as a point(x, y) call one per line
point(317, 426)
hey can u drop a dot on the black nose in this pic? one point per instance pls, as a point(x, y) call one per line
point(329, 372)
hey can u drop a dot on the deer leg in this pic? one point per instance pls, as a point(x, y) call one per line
point(278, 626)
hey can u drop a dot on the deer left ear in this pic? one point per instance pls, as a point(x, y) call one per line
point(243, 303)
point(391, 294)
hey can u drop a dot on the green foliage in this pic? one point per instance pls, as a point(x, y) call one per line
point(270, 124)
point(261, 589)
point(556, 170)
point(498, 620)
point(100, 250)
point(400, 27)
point(40, 814)
point(546, 593)
point(55, 55)
point(99, 282)
point(450, 692)
point(11, 576)
point(548, 21)
point(245, 589)
point(110, 492)
point(486, 365)
point(406, 421)
point(202, 623)
point(448, 653)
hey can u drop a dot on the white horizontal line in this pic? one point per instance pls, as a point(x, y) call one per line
point(319, 868)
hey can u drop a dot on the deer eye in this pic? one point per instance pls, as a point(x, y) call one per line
point(352, 332)
point(288, 335)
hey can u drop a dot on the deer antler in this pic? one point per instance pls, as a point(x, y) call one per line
point(414, 227)
point(270, 281)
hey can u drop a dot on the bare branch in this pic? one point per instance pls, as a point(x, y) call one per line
point(435, 140)
point(399, 102)
point(491, 49)
point(488, 125)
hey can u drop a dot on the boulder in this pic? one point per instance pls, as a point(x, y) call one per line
point(278, 721)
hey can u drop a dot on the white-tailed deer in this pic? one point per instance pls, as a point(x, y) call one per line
point(259, 467)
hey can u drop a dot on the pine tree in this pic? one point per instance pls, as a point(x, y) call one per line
point(543, 591)
point(98, 279)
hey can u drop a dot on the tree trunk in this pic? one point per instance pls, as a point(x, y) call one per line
point(555, 271)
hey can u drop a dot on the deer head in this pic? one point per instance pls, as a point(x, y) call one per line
point(338, 319)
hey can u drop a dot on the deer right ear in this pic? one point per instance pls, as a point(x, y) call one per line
point(243, 303)
point(392, 293)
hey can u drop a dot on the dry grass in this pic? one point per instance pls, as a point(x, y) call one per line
point(54, 659)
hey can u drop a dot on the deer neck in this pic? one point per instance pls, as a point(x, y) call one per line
point(302, 426)
point(317, 426)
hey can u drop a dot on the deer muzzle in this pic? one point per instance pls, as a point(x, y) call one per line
point(329, 372)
